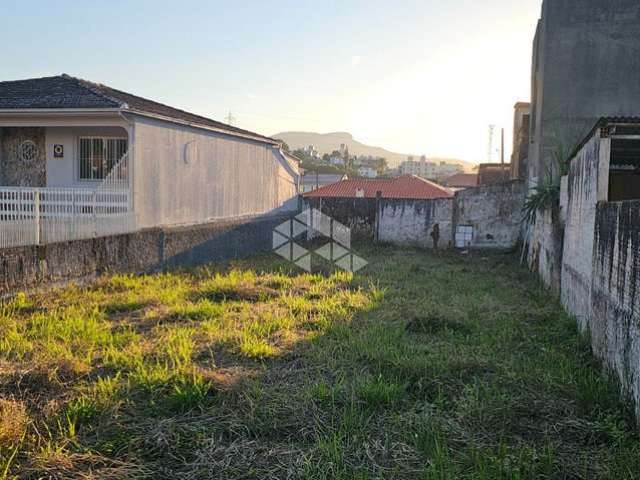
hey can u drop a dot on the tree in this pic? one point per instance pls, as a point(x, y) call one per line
point(285, 147)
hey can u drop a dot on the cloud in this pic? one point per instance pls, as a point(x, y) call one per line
point(251, 96)
point(355, 61)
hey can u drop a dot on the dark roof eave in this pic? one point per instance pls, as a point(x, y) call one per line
point(602, 122)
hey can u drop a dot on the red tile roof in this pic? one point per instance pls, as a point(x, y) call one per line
point(406, 186)
point(462, 180)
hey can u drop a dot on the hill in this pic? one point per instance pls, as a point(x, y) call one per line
point(328, 142)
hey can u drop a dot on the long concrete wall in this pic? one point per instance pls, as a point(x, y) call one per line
point(615, 319)
point(601, 264)
point(149, 250)
point(494, 212)
point(184, 175)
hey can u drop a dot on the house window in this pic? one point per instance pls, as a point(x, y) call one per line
point(624, 169)
point(98, 155)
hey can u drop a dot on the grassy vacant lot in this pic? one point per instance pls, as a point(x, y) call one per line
point(425, 366)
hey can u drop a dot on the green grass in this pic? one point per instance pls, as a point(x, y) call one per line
point(424, 366)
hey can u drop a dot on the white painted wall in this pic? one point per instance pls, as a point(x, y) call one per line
point(63, 172)
point(184, 175)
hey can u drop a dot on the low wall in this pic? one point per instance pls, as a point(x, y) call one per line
point(148, 250)
point(412, 222)
point(614, 322)
point(359, 214)
point(494, 212)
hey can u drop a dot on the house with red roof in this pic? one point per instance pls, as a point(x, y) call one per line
point(408, 187)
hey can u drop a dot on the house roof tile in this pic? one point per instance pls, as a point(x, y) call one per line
point(66, 92)
point(406, 187)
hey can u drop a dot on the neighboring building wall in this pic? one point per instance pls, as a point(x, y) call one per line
point(585, 187)
point(581, 72)
point(495, 212)
point(493, 173)
point(615, 320)
point(148, 250)
point(184, 175)
point(14, 172)
point(412, 222)
point(521, 126)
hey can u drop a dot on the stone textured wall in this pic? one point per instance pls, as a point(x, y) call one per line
point(15, 172)
point(148, 250)
point(615, 319)
point(495, 212)
point(411, 222)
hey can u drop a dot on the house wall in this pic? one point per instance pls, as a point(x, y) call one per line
point(184, 175)
point(614, 322)
point(14, 171)
point(64, 172)
point(584, 186)
point(584, 60)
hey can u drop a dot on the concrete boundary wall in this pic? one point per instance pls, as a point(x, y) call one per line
point(494, 213)
point(145, 251)
point(600, 277)
point(614, 321)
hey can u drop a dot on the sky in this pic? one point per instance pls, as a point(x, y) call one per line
point(414, 76)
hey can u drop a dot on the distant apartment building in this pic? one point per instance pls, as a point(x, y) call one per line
point(312, 152)
point(429, 170)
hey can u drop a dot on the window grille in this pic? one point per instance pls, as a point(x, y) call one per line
point(98, 156)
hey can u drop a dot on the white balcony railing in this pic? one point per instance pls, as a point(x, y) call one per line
point(39, 216)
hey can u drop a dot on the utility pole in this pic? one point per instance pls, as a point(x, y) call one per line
point(230, 119)
point(502, 148)
point(490, 148)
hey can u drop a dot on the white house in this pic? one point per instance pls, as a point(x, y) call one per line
point(80, 159)
point(367, 172)
point(336, 161)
